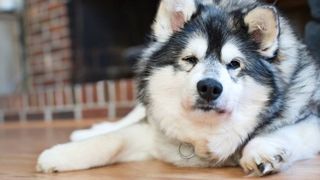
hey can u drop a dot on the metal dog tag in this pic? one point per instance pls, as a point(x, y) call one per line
point(186, 151)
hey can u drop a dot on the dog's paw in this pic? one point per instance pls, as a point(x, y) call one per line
point(263, 156)
point(52, 160)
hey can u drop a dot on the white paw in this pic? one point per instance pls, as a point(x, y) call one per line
point(53, 160)
point(263, 156)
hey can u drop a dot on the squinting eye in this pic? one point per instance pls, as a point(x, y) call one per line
point(191, 59)
point(234, 64)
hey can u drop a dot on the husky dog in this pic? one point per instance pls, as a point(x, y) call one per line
point(223, 83)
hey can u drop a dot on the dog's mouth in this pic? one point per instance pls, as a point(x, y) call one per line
point(210, 107)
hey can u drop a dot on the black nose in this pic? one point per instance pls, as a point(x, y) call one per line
point(209, 89)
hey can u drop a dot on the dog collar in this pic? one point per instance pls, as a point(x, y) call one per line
point(186, 150)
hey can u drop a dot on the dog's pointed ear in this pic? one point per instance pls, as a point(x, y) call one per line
point(263, 26)
point(171, 17)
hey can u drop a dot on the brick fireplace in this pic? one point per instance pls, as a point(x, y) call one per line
point(80, 56)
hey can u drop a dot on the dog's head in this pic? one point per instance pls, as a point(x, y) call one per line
point(209, 63)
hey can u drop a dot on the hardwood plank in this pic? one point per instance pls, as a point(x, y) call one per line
point(21, 143)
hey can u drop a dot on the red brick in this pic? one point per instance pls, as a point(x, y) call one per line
point(49, 98)
point(78, 94)
point(33, 100)
point(95, 93)
point(89, 93)
point(67, 96)
point(122, 111)
point(35, 116)
point(58, 12)
point(64, 115)
point(16, 102)
point(130, 90)
point(83, 95)
point(20, 102)
point(36, 52)
point(106, 92)
point(59, 33)
point(11, 117)
point(49, 82)
point(42, 99)
point(59, 97)
point(66, 81)
point(95, 113)
point(55, 5)
point(117, 91)
point(63, 70)
point(32, 2)
point(37, 72)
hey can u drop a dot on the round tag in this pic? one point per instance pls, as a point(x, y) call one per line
point(186, 151)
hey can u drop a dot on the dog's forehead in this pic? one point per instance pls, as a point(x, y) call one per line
point(230, 50)
point(216, 28)
point(198, 45)
point(211, 35)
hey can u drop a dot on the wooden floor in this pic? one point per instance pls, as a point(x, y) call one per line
point(20, 145)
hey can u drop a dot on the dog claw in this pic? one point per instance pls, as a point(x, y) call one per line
point(265, 168)
point(261, 167)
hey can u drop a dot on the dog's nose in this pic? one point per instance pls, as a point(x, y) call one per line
point(209, 89)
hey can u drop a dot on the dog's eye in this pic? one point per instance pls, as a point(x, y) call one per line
point(191, 59)
point(234, 64)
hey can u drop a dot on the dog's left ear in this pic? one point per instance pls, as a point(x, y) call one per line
point(171, 17)
point(263, 24)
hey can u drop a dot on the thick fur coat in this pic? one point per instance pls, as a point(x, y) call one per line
point(221, 83)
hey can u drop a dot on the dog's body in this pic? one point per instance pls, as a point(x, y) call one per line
point(223, 83)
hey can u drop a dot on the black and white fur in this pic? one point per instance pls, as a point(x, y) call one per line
point(265, 118)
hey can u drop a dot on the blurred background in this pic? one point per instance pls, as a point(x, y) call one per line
point(73, 59)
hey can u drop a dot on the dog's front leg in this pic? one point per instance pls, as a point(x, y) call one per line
point(134, 143)
point(270, 153)
point(135, 116)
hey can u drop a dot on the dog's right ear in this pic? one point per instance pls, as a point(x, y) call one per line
point(171, 17)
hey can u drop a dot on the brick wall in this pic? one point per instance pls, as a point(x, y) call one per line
point(51, 95)
point(102, 100)
point(49, 56)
